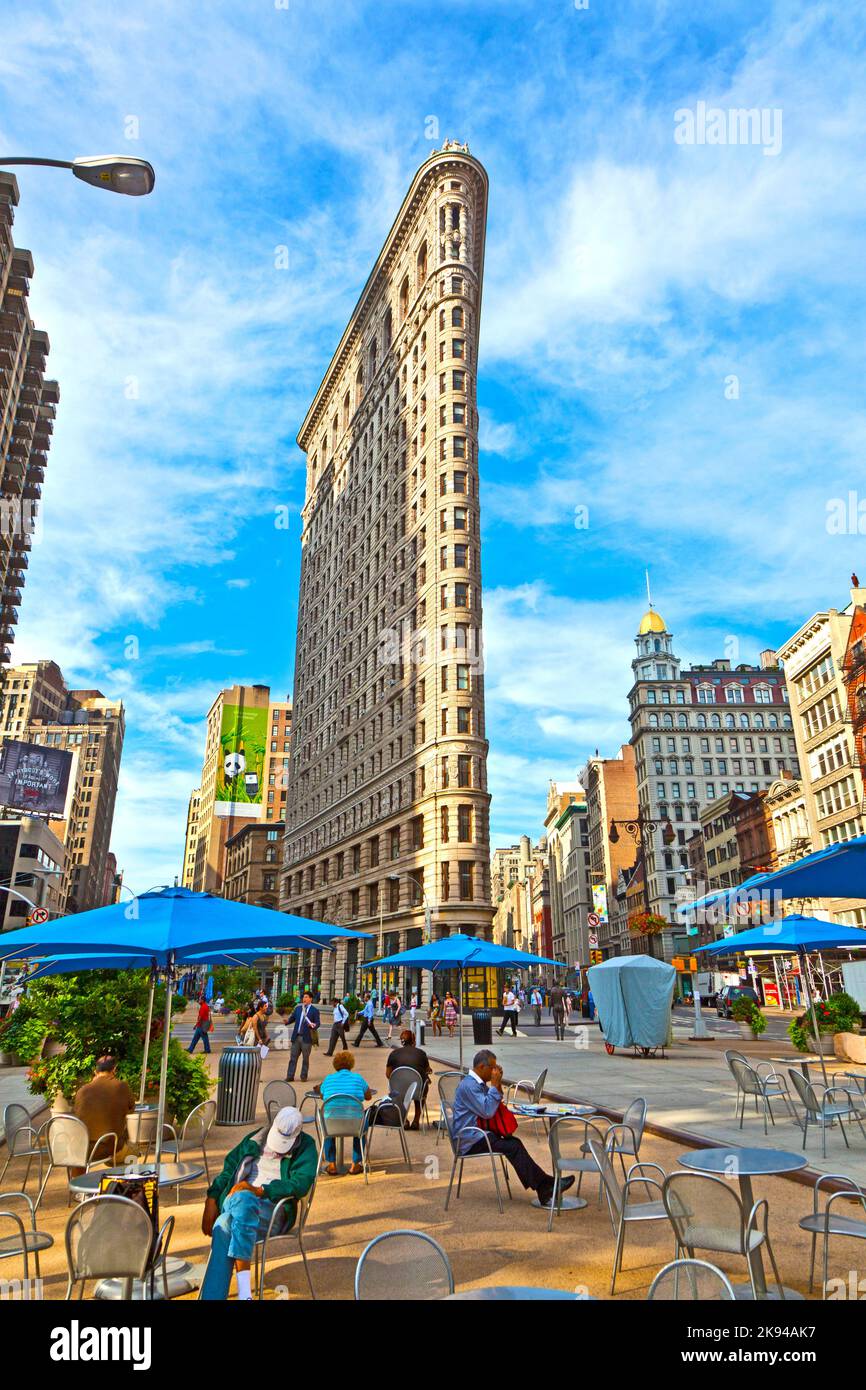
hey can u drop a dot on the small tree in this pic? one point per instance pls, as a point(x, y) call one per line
point(745, 1010)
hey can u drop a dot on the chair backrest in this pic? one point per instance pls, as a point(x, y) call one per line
point(602, 1155)
point(68, 1141)
point(745, 1075)
point(276, 1095)
point(198, 1123)
point(732, 1053)
point(448, 1083)
point(15, 1117)
point(539, 1086)
point(399, 1082)
point(14, 1234)
point(805, 1090)
point(339, 1117)
point(568, 1138)
point(108, 1238)
point(635, 1120)
point(403, 1264)
point(690, 1280)
point(701, 1205)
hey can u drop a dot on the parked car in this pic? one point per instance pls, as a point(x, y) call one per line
point(728, 997)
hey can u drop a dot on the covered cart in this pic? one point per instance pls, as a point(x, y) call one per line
point(633, 997)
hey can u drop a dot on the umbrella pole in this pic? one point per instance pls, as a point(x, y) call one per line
point(163, 1070)
point(460, 1020)
point(811, 1006)
point(143, 1085)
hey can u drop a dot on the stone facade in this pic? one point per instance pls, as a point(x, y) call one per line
point(387, 815)
point(611, 794)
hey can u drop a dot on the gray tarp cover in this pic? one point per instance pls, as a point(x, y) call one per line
point(633, 999)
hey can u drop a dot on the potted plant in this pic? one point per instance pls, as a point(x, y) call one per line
point(285, 1003)
point(838, 1014)
point(746, 1013)
point(354, 1006)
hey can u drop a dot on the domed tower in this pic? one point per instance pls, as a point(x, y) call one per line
point(655, 659)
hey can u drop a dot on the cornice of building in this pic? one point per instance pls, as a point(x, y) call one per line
point(440, 159)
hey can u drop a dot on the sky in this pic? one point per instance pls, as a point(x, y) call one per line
point(671, 371)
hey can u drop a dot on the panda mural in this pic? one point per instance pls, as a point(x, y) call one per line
point(239, 779)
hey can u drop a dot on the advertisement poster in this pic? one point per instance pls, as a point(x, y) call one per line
point(34, 779)
point(243, 741)
point(599, 900)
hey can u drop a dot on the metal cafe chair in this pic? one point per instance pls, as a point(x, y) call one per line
point(396, 1106)
point(342, 1117)
point(22, 1140)
point(533, 1090)
point(27, 1240)
point(630, 1131)
point(831, 1222)
point(691, 1281)
point(707, 1214)
point(410, 1261)
point(823, 1106)
point(276, 1096)
point(622, 1208)
point(107, 1238)
point(400, 1078)
point(764, 1088)
point(447, 1088)
point(295, 1234)
point(193, 1135)
point(570, 1153)
point(458, 1158)
point(69, 1146)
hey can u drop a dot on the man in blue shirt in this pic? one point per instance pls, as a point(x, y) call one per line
point(367, 1024)
point(476, 1101)
point(305, 1019)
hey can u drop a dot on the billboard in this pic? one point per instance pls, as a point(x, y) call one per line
point(599, 900)
point(240, 769)
point(34, 779)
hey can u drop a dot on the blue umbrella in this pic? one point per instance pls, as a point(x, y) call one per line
point(794, 935)
point(168, 927)
point(456, 953)
point(208, 989)
point(836, 872)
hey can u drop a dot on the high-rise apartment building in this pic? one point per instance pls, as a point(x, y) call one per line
point(824, 662)
point(243, 779)
point(27, 409)
point(698, 733)
point(567, 830)
point(191, 838)
point(36, 707)
point(387, 816)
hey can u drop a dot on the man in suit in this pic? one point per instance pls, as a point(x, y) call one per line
point(306, 1021)
point(477, 1099)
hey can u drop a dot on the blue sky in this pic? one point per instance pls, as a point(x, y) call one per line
point(629, 278)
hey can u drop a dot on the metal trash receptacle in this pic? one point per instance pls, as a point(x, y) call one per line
point(482, 1027)
point(238, 1086)
point(420, 1031)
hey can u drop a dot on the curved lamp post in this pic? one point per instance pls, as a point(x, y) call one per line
point(114, 172)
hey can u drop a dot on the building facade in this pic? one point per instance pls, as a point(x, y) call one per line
point(246, 743)
point(611, 795)
point(32, 863)
point(387, 814)
point(27, 408)
point(36, 707)
point(698, 733)
point(821, 669)
point(253, 864)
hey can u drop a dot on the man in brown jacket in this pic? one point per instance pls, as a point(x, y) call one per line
point(103, 1104)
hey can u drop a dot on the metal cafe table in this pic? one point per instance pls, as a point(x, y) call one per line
point(745, 1164)
point(550, 1112)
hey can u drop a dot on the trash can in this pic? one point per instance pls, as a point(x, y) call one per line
point(420, 1031)
point(238, 1086)
point(482, 1027)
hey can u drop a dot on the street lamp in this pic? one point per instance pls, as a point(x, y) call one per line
point(638, 827)
point(114, 172)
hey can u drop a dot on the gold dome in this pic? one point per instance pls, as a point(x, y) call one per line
point(651, 622)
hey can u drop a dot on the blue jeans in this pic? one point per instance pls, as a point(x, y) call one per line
point(331, 1150)
point(242, 1221)
point(199, 1033)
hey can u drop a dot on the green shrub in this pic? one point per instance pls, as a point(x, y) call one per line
point(354, 1005)
point(838, 1014)
point(237, 984)
point(23, 1033)
point(285, 1002)
point(745, 1010)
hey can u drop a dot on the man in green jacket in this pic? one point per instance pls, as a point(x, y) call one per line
point(265, 1167)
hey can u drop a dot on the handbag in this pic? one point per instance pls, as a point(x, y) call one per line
point(502, 1121)
point(140, 1188)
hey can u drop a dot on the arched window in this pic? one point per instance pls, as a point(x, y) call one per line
point(404, 299)
point(372, 358)
point(457, 316)
point(667, 721)
point(702, 721)
point(730, 722)
point(744, 721)
point(653, 721)
point(359, 384)
point(759, 721)
point(715, 722)
point(682, 721)
point(421, 264)
point(387, 330)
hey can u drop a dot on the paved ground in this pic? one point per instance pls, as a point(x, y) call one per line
point(690, 1090)
point(484, 1247)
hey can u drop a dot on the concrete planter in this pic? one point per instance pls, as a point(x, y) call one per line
point(9, 1059)
point(746, 1032)
point(850, 1047)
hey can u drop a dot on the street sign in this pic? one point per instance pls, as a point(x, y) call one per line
point(593, 919)
point(593, 938)
point(38, 916)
